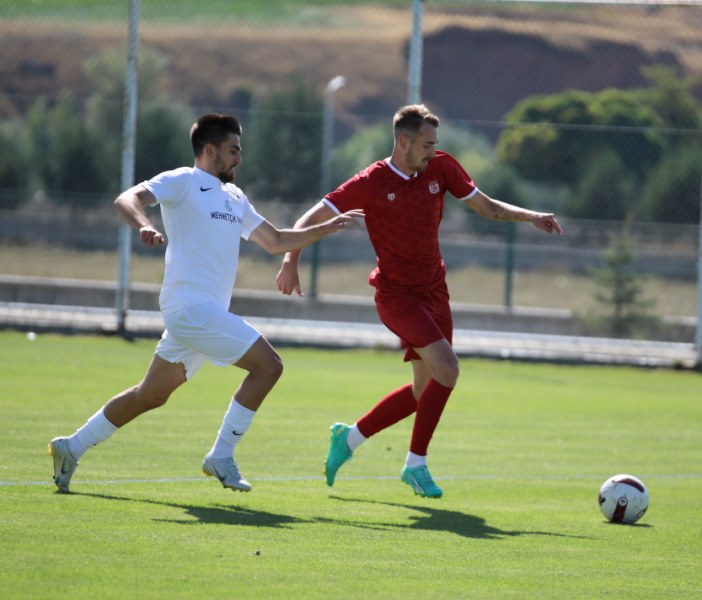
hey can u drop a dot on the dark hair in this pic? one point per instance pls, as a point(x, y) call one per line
point(410, 118)
point(212, 128)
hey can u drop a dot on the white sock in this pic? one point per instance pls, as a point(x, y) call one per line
point(354, 438)
point(96, 429)
point(415, 460)
point(237, 421)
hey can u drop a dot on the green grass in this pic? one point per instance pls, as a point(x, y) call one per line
point(521, 452)
point(293, 12)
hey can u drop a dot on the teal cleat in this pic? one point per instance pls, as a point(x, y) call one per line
point(421, 482)
point(64, 464)
point(339, 452)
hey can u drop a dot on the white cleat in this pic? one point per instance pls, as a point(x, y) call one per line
point(227, 471)
point(64, 464)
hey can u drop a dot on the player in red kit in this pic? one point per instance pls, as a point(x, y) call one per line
point(403, 199)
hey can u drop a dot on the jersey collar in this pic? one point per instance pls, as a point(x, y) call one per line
point(400, 173)
point(208, 176)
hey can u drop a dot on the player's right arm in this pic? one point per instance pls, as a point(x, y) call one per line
point(132, 204)
point(288, 280)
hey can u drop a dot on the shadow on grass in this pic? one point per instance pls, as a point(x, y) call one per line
point(433, 518)
point(429, 518)
point(217, 514)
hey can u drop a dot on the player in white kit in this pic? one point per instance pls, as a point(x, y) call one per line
point(205, 216)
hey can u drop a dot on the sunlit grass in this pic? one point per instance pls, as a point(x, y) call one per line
point(520, 453)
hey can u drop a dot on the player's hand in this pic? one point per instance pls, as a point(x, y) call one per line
point(547, 222)
point(150, 236)
point(351, 217)
point(288, 281)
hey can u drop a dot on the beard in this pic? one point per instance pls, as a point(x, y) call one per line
point(226, 176)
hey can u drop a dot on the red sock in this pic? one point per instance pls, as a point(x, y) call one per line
point(429, 408)
point(397, 405)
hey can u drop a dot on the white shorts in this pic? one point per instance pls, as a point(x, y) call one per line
point(205, 332)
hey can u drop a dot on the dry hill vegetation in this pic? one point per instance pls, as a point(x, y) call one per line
point(478, 61)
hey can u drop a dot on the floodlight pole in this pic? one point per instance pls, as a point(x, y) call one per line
point(128, 152)
point(414, 75)
point(334, 85)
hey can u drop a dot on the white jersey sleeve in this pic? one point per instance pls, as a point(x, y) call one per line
point(169, 187)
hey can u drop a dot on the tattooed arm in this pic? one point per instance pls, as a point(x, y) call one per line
point(496, 210)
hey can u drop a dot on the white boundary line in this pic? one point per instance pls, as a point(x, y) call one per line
point(285, 478)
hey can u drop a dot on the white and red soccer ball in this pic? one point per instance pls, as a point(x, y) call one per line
point(623, 499)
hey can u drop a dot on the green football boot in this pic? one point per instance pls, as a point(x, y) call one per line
point(421, 482)
point(339, 451)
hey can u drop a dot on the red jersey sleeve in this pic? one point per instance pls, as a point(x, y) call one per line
point(354, 193)
point(457, 181)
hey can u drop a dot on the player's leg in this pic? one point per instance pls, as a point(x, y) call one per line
point(435, 375)
point(439, 369)
point(227, 339)
point(344, 439)
point(161, 379)
point(405, 315)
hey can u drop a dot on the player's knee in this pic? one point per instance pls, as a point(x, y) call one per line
point(447, 373)
point(152, 399)
point(276, 368)
point(273, 368)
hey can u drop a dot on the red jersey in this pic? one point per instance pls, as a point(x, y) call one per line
point(403, 216)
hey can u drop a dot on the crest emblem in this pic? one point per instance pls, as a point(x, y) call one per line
point(434, 187)
point(391, 196)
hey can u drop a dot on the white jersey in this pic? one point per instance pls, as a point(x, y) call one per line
point(204, 221)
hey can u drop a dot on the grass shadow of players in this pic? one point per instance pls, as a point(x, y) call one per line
point(215, 514)
point(431, 518)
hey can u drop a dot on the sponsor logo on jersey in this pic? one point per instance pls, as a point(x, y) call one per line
point(222, 216)
point(204, 189)
point(434, 187)
point(228, 205)
point(391, 197)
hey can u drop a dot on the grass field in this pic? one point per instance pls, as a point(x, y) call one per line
point(521, 452)
point(164, 10)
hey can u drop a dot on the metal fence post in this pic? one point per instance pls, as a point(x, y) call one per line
point(509, 263)
point(127, 179)
point(698, 338)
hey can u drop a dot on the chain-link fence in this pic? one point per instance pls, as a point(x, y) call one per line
point(590, 110)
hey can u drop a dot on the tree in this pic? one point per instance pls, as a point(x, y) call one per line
point(162, 124)
point(365, 147)
point(14, 163)
point(285, 152)
point(673, 191)
point(621, 294)
point(162, 138)
point(672, 97)
point(554, 138)
point(74, 170)
point(606, 190)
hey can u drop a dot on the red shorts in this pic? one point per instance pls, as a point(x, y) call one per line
point(417, 317)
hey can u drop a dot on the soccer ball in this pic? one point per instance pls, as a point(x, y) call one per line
point(623, 499)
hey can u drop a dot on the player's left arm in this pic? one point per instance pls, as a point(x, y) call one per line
point(496, 210)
